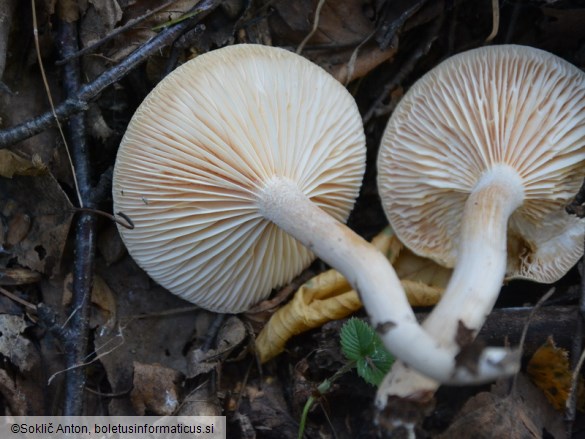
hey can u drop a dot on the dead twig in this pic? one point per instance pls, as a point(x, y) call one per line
point(533, 311)
point(91, 90)
point(109, 395)
point(571, 405)
point(313, 29)
point(577, 348)
point(17, 299)
point(495, 21)
point(85, 236)
point(388, 30)
point(50, 99)
point(98, 355)
point(421, 50)
point(120, 30)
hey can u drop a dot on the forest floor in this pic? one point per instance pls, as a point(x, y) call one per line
point(135, 341)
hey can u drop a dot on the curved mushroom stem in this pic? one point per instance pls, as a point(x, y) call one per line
point(372, 276)
point(474, 285)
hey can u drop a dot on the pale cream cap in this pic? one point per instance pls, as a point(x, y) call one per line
point(511, 105)
point(200, 148)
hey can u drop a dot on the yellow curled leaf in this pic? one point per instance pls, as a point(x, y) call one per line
point(329, 296)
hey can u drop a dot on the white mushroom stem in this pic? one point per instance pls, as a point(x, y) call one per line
point(476, 280)
point(370, 273)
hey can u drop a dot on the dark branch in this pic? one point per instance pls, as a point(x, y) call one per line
point(77, 329)
point(89, 91)
point(120, 30)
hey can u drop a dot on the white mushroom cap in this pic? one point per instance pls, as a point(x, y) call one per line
point(499, 105)
point(200, 149)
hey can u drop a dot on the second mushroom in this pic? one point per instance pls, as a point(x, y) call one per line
point(475, 167)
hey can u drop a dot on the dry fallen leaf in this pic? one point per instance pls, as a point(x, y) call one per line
point(104, 311)
point(12, 395)
point(110, 244)
point(342, 43)
point(230, 336)
point(38, 215)
point(18, 276)
point(12, 164)
point(156, 389)
point(147, 331)
point(521, 414)
point(265, 406)
point(14, 345)
point(550, 371)
point(202, 401)
point(101, 18)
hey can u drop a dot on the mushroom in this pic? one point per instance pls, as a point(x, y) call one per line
point(475, 167)
point(237, 169)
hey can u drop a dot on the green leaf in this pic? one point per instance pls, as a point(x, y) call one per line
point(360, 343)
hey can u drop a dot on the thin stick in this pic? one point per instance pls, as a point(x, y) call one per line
point(495, 21)
point(109, 395)
point(93, 360)
point(127, 223)
point(50, 98)
point(18, 299)
point(527, 324)
point(114, 33)
point(165, 313)
point(571, 404)
point(314, 28)
point(572, 398)
point(353, 58)
point(421, 50)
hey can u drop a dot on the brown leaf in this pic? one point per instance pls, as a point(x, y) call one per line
point(18, 276)
point(522, 414)
point(110, 244)
point(342, 28)
point(156, 389)
point(13, 396)
point(230, 336)
point(109, 12)
point(100, 19)
point(148, 331)
point(201, 402)
point(340, 23)
point(12, 164)
point(264, 405)
point(15, 346)
point(104, 311)
point(38, 214)
point(68, 10)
